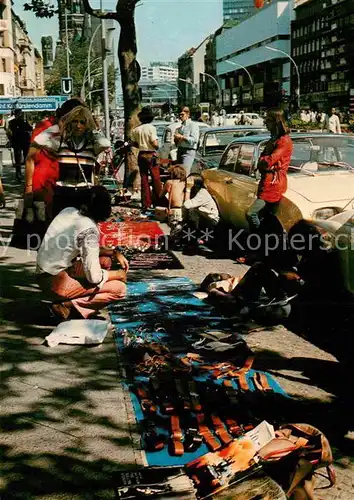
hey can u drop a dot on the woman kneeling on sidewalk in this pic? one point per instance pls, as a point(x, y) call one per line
point(71, 267)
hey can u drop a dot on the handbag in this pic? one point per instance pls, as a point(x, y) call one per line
point(301, 449)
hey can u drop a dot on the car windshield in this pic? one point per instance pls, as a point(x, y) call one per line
point(322, 154)
point(160, 129)
point(216, 142)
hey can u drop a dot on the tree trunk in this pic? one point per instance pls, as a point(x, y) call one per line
point(130, 76)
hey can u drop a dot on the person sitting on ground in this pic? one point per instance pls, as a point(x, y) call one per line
point(175, 189)
point(77, 276)
point(200, 210)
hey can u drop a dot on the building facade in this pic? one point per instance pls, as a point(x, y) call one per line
point(253, 73)
point(7, 62)
point(237, 9)
point(322, 47)
point(190, 67)
point(156, 72)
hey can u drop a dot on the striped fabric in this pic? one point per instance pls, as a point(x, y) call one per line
point(86, 154)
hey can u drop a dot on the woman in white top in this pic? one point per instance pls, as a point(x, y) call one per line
point(71, 267)
point(144, 137)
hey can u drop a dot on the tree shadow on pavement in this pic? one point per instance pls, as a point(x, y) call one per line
point(63, 410)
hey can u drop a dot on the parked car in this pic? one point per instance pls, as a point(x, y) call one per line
point(320, 178)
point(251, 119)
point(168, 149)
point(338, 234)
point(213, 141)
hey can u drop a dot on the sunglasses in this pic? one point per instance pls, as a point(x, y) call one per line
point(81, 122)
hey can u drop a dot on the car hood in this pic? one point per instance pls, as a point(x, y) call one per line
point(323, 187)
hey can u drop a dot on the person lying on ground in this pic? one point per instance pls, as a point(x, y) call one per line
point(72, 270)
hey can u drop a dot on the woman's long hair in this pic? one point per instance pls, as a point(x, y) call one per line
point(81, 112)
point(277, 115)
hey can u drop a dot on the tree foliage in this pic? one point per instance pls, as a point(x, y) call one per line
point(41, 8)
point(78, 66)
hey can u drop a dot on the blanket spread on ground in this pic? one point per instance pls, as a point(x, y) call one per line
point(160, 331)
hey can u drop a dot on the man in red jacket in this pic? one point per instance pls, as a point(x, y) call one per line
point(273, 165)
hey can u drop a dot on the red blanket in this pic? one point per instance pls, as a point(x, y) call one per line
point(129, 233)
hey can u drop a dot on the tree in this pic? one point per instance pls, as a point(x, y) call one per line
point(78, 65)
point(129, 66)
point(129, 69)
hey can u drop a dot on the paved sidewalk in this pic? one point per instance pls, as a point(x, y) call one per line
point(64, 413)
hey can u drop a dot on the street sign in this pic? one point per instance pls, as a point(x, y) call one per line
point(66, 86)
point(35, 103)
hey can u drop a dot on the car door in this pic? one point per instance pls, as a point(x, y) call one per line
point(241, 186)
point(217, 179)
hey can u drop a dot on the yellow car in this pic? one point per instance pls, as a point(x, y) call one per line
point(320, 178)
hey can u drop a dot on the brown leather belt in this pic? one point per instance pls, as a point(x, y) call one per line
point(176, 445)
point(220, 430)
point(206, 434)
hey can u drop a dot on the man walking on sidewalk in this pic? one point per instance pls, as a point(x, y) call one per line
point(19, 133)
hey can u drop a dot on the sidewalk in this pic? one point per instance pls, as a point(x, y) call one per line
point(64, 411)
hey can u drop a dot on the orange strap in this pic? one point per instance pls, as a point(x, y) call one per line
point(176, 436)
point(206, 434)
point(220, 430)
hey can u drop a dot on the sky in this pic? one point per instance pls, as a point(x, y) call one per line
point(165, 28)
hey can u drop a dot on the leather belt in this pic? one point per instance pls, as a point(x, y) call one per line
point(196, 406)
point(146, 404)
point(220, 430)
point(176, 445)
point(206, 434)
point(182, 395)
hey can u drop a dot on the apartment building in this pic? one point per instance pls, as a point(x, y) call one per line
point(7, 68)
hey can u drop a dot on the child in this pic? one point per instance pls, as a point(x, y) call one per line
point(175, 188)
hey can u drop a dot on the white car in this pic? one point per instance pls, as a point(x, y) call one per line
point(338, 234)
point(250, 119)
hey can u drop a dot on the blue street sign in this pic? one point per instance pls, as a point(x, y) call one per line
point(35, 103)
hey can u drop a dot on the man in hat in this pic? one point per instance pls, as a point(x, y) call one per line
point(144, 137)
point(19, 132)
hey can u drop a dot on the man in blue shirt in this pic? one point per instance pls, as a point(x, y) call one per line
point(186, 139)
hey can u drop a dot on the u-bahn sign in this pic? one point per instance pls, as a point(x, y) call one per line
point(35, 103)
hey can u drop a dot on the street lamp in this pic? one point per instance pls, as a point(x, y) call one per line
point(296, 68)
point(188, 80)
point(89, 56)
point(217, 84)
point(173, 86)
point(249, 76)
point(168, 97)
point(86, 78)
